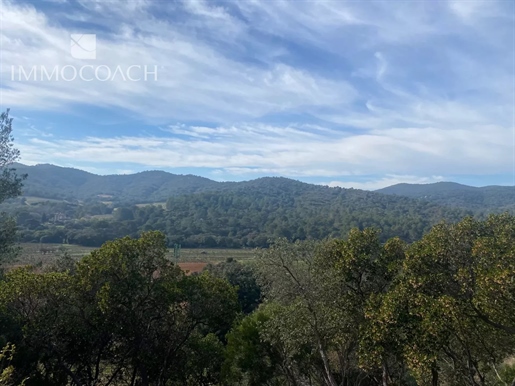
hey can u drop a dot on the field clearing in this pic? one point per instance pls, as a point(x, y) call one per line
point(191, 259)
point(35, 200)
point(192, 267)
point(207, 255)
point(161, 204)
point(102, 216)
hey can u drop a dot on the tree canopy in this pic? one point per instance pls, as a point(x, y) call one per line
point(10, 186)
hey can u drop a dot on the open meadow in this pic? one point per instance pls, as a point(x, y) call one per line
point(191, 259)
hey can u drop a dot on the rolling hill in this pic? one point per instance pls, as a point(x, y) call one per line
point(210, 214)
point(484, 199)
point(89, 209)
point(50, 181)
point(54, 182)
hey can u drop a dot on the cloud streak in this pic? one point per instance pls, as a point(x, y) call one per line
point(304, 89)
point(291, 151)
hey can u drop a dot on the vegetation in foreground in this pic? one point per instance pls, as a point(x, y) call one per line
point(339, 312)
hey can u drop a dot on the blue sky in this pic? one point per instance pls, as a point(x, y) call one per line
point(359, 94)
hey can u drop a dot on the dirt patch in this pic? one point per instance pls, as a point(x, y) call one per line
point(190, 267)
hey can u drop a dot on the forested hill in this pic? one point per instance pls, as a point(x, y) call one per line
point(50, 181)
point(54, 182)
point(278, 207)
point(203, 213)
point(486, 199)
point(246, 215)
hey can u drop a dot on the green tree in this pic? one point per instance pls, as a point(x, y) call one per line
point(363, 269)
point(253, 357)
point(10, 186)
point(322, 292)
point(447, 315)
point(123, 214)
point(6, 369)
point(243, 278)
point(319, 306)
point(289, 277)
point(126, 316)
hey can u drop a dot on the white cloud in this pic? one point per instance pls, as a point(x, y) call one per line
point(395, 88)
point(202, 8)
point(293, 150)
point(192, 75)
point(381, 66)
point(384, 182)
point(472, 11)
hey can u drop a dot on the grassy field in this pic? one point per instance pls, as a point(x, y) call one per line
point(44, 254)
point(35, 200)
point(161, 204)
point(102, 216)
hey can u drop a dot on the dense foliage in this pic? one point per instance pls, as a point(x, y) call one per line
point(125, 313)
point(72, 185)
point(483, 199)
point(243, 278)
point(353, 311)
point(10, 186)
point(54, 182)
point(248, 216)
point(360, 312)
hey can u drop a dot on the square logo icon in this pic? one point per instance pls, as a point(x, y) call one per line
point(83, 46)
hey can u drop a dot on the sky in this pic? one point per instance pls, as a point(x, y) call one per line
point(361, 94)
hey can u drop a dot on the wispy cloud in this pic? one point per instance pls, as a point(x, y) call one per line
point(292, 150)
point(193, 76)
point(383, 182)
point(312, 88)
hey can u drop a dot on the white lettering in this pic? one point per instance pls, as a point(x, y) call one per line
point(118, 70)
point(63, 71)
point(129, 73)
point(100, 68)
point(44, 73)
point(148, 73)
point(68, 73)
point(22, 70)
point(82, 75)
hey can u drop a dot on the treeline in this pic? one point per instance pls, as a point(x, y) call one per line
point(246, 217)
point(483, 199)
point(353, 311)
point(54, 182)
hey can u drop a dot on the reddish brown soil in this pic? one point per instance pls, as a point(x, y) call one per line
point(192, 267)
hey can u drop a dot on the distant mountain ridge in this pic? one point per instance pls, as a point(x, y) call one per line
point(200, 212)
point(487, 198)
point(55, 182)
point(62, 183)
point(224, 215)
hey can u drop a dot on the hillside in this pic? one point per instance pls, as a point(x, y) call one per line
point(54, 182)
point(199, 212)
point(484, 199)
point(244, 214)
point(278, 207)
point(50, 181)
